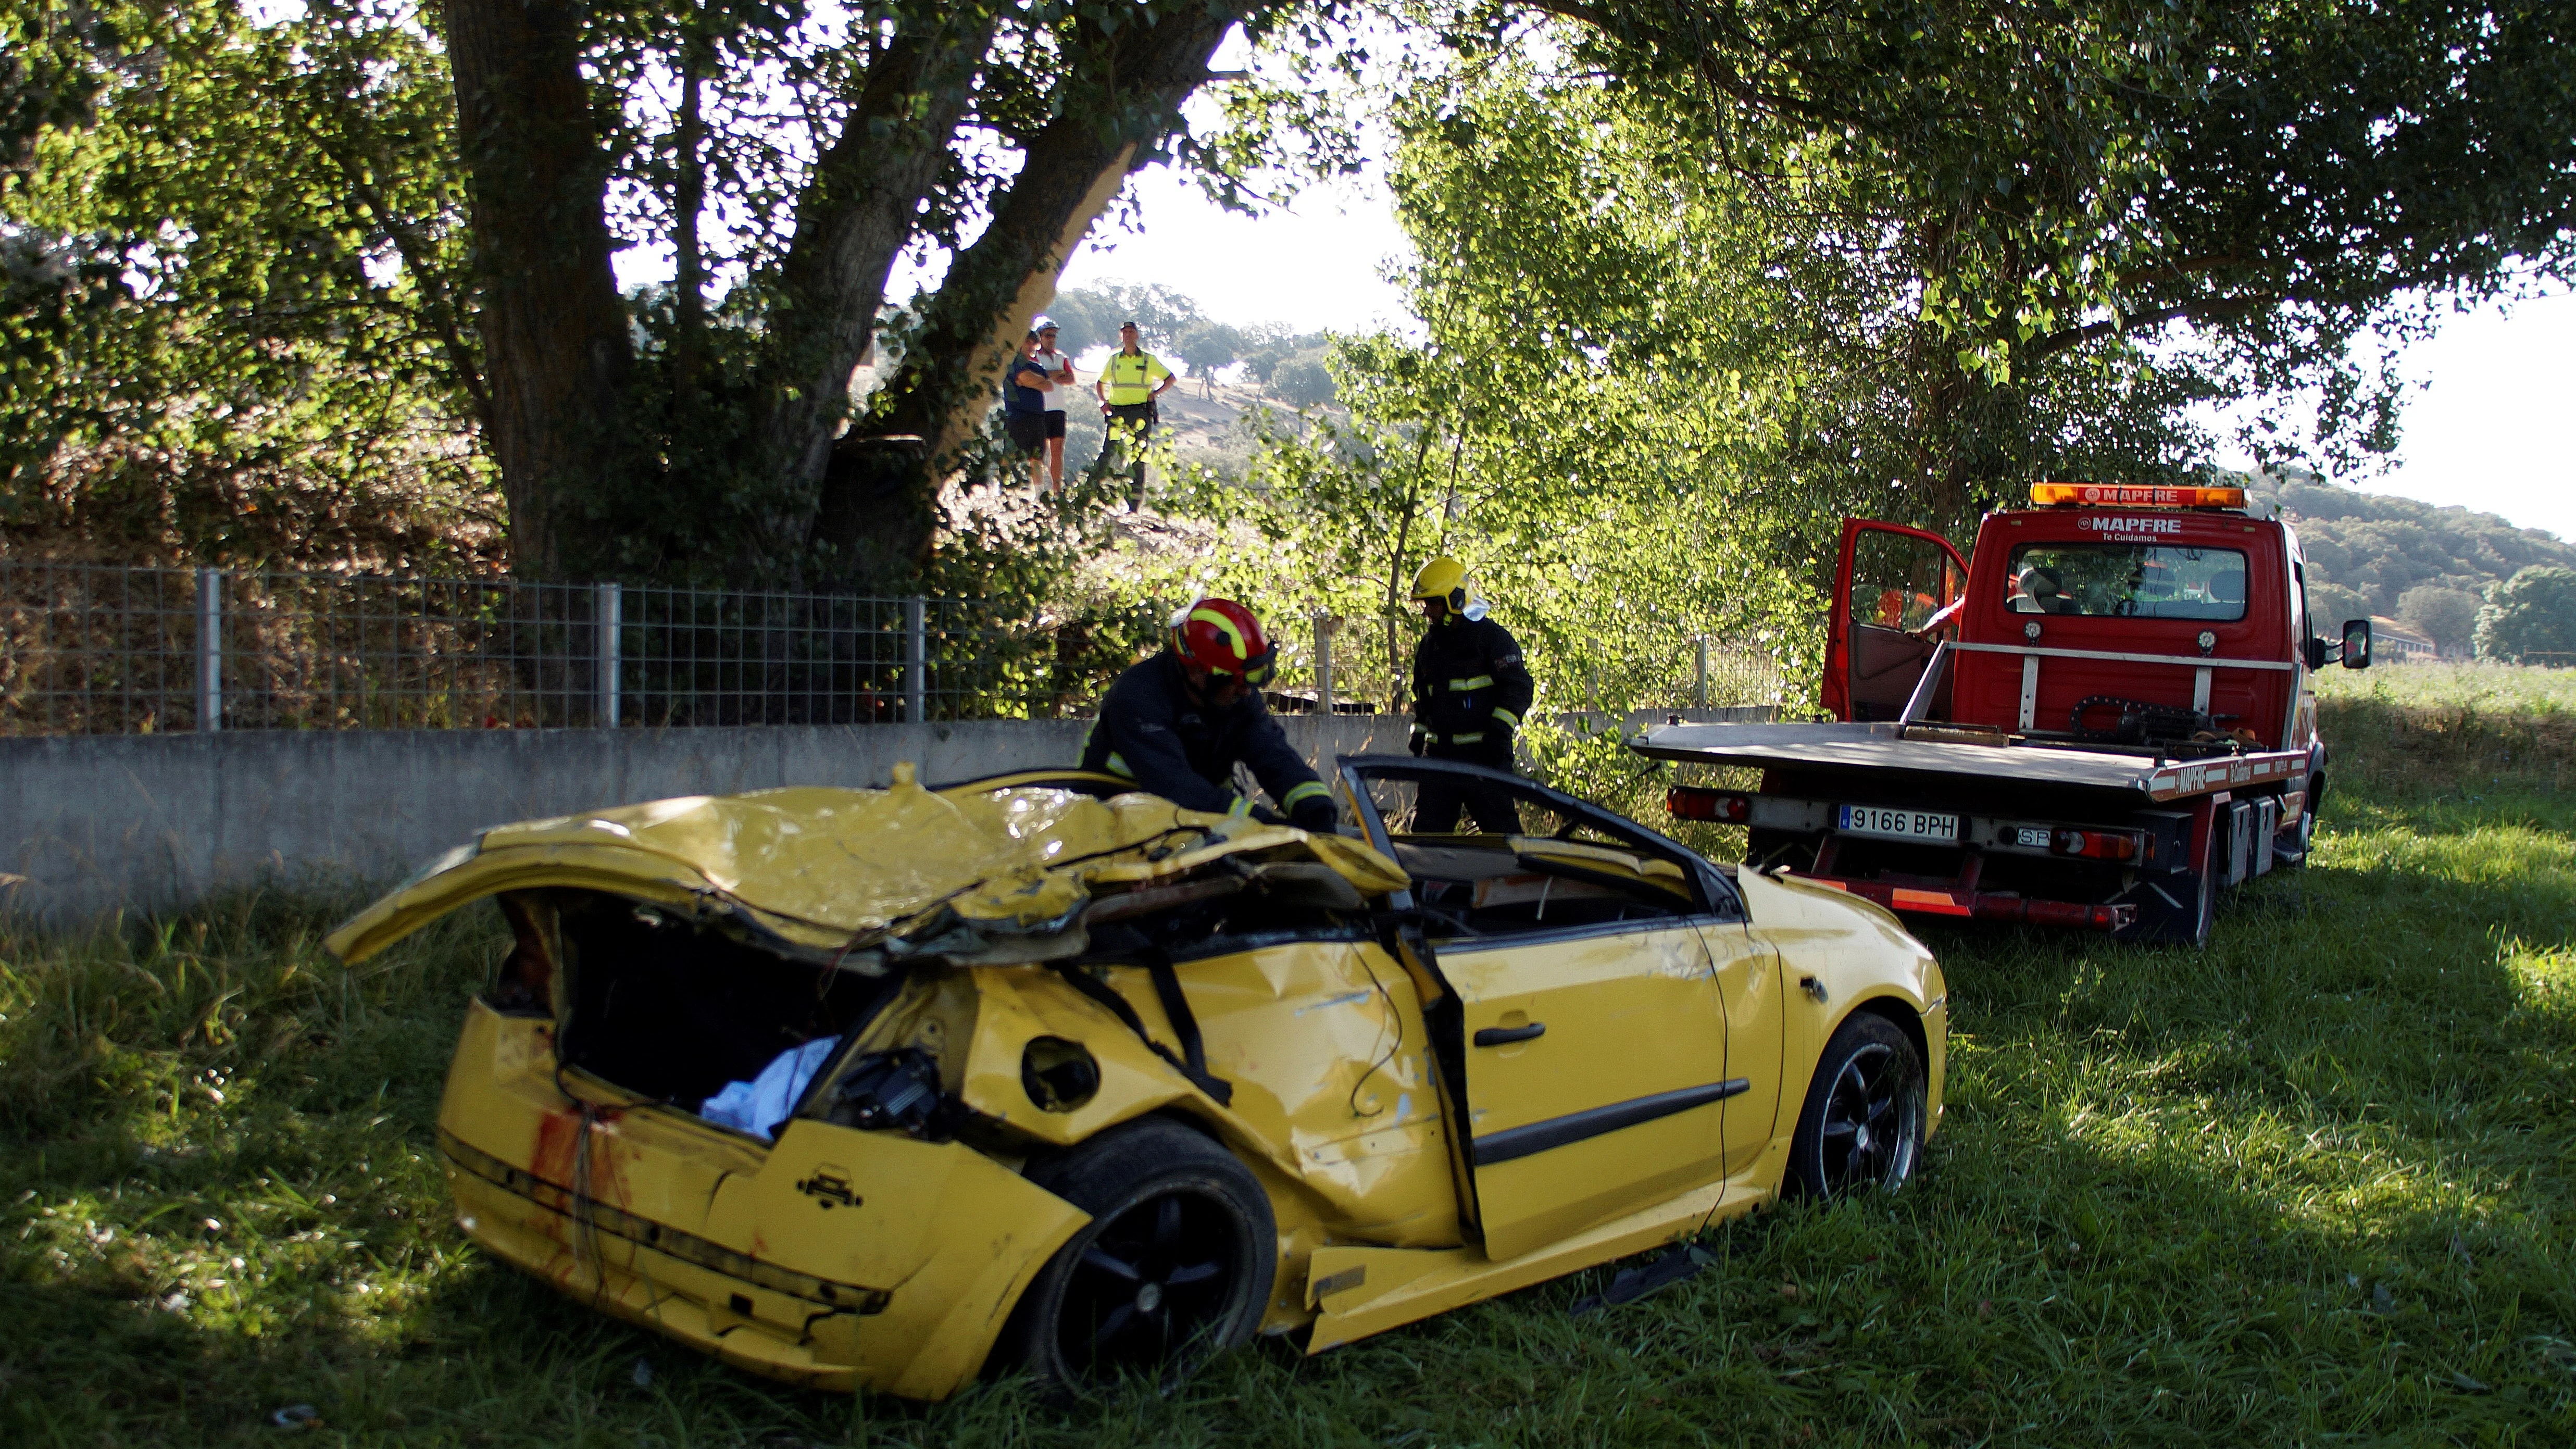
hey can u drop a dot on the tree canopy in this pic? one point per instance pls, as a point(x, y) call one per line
point(1846, 255)
point(2531, 617)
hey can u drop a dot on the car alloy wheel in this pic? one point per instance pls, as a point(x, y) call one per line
point(1863, 1122)
point(1173, 1268)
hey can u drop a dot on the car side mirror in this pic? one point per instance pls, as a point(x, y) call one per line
point(2315, 654)
point(2356, 643)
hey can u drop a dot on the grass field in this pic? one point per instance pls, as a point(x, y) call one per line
point(2313, 1183)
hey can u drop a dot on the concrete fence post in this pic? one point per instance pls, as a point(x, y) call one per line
point(1699, 674)
point(1324, 662)
point(609, 612)
point(916, 660)
point(210, 650)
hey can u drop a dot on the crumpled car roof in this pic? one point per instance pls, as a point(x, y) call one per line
point(861, 877)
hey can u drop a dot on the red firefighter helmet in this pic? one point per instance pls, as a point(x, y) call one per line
point(1221, 637)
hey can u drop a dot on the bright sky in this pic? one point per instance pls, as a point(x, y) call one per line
point(2495, 427)
point(1318, 264)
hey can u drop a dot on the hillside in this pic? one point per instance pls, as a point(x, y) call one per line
point(2367, 551)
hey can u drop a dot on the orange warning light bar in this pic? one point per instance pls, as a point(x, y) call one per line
point(2132, 495)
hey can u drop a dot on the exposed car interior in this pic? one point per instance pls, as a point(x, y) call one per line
point(1506, 885)
point(679, 1011)
point(1570, 866)
point(673, 1011)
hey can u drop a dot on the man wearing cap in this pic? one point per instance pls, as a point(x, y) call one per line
point(1127, 386)
point(1178, 723)
point(1059, 370)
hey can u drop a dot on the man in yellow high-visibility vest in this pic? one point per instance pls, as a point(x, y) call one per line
point(1127, 386)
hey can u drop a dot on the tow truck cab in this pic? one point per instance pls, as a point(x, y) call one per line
point(2135, 663)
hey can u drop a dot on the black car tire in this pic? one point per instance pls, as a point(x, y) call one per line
point(1864, 1120)
point(1174, 1267)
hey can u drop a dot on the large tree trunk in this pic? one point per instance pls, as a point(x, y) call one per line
point(851, 222)
point(881, 508)
point(556, 346)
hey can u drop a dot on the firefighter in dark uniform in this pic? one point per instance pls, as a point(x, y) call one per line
point(1177, 724)
point(1470, 690)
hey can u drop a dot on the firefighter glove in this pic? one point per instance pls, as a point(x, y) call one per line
point(1315, 815)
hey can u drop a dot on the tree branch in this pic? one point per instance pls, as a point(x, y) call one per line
point(852, 220)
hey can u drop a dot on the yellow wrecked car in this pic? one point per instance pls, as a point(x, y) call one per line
point(879, 1088)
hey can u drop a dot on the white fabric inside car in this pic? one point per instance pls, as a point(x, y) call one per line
point(759, 1105)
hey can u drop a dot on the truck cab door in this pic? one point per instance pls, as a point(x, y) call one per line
point(1895, 592)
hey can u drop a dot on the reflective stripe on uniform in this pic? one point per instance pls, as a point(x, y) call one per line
point(1118, 765)
point(1467, 739)
point(1129, 391)
point(1481, 681)
point(1312, 789)
point(1507, 717)
point(1240, 806)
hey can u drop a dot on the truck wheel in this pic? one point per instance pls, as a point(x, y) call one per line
point(1863, 1122)
point(1174, 1267)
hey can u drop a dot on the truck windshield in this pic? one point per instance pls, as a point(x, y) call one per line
point(2126, 580)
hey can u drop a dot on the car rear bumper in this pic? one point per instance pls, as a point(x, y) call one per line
point(835, 1259)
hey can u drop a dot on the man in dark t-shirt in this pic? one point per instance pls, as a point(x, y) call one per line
point(1024, 409)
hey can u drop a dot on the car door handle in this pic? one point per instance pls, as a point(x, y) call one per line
point(1506, 1035)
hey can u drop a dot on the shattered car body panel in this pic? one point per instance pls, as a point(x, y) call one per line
point(1014, 971)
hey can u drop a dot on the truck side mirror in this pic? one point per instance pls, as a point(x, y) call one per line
point(2356, 643)
point(2314, 654)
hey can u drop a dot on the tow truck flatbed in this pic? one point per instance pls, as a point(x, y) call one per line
point(2104, 718)
point(1883, 749)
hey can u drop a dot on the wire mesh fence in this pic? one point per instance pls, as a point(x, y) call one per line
point(91, 649)
point(105, 649)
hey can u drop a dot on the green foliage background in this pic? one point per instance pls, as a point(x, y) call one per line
point(2531, 614)
point(231, 326)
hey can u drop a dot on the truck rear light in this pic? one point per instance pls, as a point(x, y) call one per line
point(1723, 807)
point(2096, 844)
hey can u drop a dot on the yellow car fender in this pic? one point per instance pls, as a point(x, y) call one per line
point(1840, 954)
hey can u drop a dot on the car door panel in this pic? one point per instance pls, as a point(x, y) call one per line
point(1607, 1108)
point(1749, 987)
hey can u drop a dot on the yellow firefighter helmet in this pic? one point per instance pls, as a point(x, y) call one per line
point(1443, 578)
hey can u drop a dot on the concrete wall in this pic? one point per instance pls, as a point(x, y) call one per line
point(95, 824)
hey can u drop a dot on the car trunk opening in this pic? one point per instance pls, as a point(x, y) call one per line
point(675, 1010)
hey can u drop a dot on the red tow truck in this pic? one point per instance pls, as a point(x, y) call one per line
point(2102, 718)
